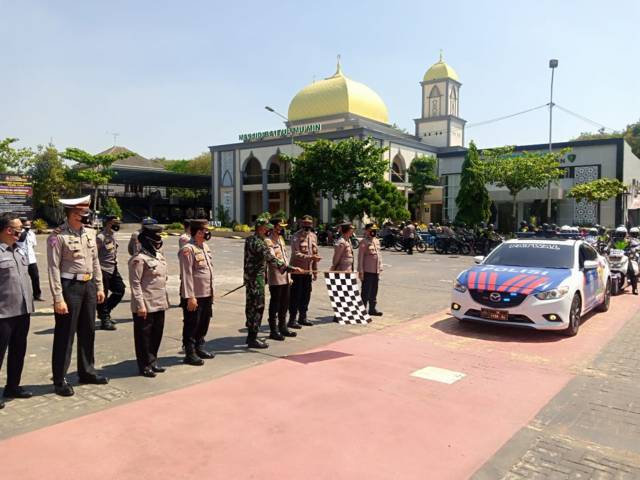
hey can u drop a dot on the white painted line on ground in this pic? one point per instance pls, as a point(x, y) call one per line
point(441, 375)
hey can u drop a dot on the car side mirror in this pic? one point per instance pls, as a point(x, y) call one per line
point(590, 265)
point(478, 258)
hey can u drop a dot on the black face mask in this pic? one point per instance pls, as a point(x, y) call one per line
point(23, 235)
point(115, 228)
point(373, 233)
point(85, 219)
point(306, 228)
point(207, 235)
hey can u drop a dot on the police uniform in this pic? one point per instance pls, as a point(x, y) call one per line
point(111, 279)
point(183, 240)
point(369, 268)
point(196, 274)
point(304, 246)
point(148, 282)
point(279, 286)
point(409, 236)
point(16, 306)
point(342, 256)
point(75, 277)
point(256, 256)
point(134, 246)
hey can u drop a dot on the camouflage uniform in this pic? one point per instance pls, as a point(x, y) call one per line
point(256, 256)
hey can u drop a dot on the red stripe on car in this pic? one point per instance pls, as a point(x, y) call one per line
point(493, 277)
point(481, 280)
point(509, 282)
point(532, 286)
point(530, 278)
point(472, 280)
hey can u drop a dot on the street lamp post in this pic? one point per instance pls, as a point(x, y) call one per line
point(553, 63)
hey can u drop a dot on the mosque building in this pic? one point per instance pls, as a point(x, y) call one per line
point(249, 177)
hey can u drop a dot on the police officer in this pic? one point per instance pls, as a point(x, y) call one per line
point(279, 283)
point(27, 243)
point(196, 292)
point(134, 245)
point(16, 304)
point(343, 251)
point(409, 237)
point(111, 279)
point(304, 255)
point(370, 267)
point(256, 255)
point(186, 235)
point(75, 279)
point(149, 299)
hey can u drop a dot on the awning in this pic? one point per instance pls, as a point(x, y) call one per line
point(158, 178)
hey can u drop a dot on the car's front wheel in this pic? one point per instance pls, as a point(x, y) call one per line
point(604, 306)
point(574, 317)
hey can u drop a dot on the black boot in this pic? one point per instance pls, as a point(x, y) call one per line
point(191, 358)
point(275, 334)
point(254, 342)
point(293, 323)
point(304, 321)
point(204, 354)
point(284, 331)
point(373, 311)
point(106, 323)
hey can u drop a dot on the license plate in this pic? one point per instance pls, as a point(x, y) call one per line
point(501, 315)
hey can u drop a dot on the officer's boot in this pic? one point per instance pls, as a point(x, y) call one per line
point(106, 323)
point(254, 342)
point(191, 358)
point(304, 321)
point(293, 323)
point(275, 334)
point(284, 330)
point(202, 353)
point(373, 311)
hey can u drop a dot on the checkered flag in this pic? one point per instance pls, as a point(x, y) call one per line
point(345, 298)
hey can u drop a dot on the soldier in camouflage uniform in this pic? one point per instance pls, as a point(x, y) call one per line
point(256, 256)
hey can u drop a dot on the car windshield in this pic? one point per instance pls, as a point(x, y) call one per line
point(532, 254)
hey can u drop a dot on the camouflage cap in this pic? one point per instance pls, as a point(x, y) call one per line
point(263, 222)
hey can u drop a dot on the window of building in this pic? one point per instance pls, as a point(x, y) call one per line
point(451, 185)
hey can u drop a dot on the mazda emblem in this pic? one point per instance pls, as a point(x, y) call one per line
point(495, 297)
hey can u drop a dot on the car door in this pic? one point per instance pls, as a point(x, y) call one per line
point(593, 286)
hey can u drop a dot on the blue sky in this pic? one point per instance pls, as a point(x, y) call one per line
point(175, 77)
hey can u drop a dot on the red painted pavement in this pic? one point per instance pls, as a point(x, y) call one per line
point(348, 410)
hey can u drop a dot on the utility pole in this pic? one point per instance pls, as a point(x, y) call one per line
point(553, 63)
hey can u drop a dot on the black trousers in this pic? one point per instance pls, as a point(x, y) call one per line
point(278, 303)
point(300, 296)
point(113, 283)
point(147, 335)
point(81, 319)
point(196, 324)
point(35, 280)
point(408, 245)
point(13, 335)
point(370, 289)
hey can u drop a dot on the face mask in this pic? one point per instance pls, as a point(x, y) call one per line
point(156, 244)
point(207, 235)
point(85, 219)
point(23, 235)
point(373, 233)
point(306, 228)
point(115, 228)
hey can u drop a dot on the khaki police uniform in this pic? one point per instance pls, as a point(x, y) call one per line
point(111, 279)
point(370, 267)
point(304, 245)
point(409, 237)
point(183, 240)
point(148, 282)
point(279, 285)
point(134, 245)
point(75, 277)
point(16, 306)
point(342, 256)
point(196, 271)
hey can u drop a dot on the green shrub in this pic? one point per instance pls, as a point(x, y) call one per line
point(241, 227)
point(175, 226)
point(110, 207)
point(40, 226)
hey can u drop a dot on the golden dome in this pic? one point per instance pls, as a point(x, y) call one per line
point(335, 95)
point(440, 70)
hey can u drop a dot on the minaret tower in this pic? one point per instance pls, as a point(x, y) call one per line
point(440, 124)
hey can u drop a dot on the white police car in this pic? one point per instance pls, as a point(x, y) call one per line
point(539, 283)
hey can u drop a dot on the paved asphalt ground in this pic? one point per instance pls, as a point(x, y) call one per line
point(340, 401)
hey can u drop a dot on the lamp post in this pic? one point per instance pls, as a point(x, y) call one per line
point(274, 111)
point(553, 64)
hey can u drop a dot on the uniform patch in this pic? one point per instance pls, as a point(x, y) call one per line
point(186, 252)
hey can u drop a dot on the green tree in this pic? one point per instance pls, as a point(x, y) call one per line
point(597, 190)
point(92, 169)
point(631, 134)
point(111, 207)
point(423, 176)
point(334, 169)
point(519, 171)
point(473, 199)
point(379, 202)
point(15, 160)
point(222, 215)
point(50, 183)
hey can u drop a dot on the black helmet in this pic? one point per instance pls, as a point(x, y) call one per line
point(491, 226)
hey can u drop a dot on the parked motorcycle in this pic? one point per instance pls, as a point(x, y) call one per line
point(619, 266)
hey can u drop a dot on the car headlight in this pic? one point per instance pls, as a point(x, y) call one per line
point(459, 287)
point(553, 294)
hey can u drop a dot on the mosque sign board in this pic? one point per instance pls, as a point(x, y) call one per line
point(15, 194)
point(281, 133)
